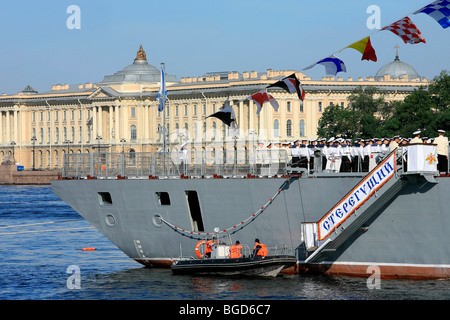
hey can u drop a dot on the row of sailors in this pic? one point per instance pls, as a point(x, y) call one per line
point(338, 155)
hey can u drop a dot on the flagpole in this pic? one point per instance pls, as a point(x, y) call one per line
point(164, 109)
point(163, 85)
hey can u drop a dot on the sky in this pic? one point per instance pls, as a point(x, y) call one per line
point(195, 37)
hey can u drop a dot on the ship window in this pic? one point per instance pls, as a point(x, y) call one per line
point(195, 211)
point(104, 198)
point(164, 198)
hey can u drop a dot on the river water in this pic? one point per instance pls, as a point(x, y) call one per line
point(42, 260)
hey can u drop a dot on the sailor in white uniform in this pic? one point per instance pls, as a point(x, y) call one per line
point(442, 151)
point(416, 138)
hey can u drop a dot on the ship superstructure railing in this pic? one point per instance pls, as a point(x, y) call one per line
point(227, 163)
point(230, 163)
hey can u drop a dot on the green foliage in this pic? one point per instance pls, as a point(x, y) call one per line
point(368, 115)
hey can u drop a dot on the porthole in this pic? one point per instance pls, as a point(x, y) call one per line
point(157, 220)
point(110, 220)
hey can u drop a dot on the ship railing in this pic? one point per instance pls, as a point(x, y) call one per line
point(226, 163)
point(222, 163)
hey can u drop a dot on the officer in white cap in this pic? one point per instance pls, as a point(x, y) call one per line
point(442, 151)
point(416, 138)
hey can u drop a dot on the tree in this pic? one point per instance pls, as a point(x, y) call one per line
point(335, 121)
point(368, 116)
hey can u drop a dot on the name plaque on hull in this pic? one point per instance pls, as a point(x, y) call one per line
point(357, 196)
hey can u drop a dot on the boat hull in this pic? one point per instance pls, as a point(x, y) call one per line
point(258, 266)
point(406, 238)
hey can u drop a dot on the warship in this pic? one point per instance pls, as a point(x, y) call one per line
point(156, 206)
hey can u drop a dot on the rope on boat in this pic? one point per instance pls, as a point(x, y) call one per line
point(235, 228)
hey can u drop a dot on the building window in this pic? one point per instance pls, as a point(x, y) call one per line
point(49, 136)
point(65, 134)
point(73, 115)
point(57, 135)
point(185, 110)
point(133, 112)
point(302, 128)
point(42, 135)
point(56, 159)
point(288, 106)
point(42, 116)
point(214, 130)
point(34, 116)
point(342, 104)
point(289, 128)
point(49, 159)
point(301, 106)
point(320, 106)
point(81, 134)
point(195, 109)
point(64, 115)
point(57, 115)
point(73, 134)
point(204, 109)
point(133, 134)
point(176, 111)
point(81, 115)
point(276, 128)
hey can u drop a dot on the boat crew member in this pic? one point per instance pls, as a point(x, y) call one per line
point(209, 245)
point(416, 138)
point(260, 249)
point(442, 151)
point(236, 250)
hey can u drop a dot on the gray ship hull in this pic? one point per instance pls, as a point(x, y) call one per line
point(406, 238)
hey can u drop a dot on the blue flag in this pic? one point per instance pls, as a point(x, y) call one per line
point(439, 10)
point(332, 65)
point(162, 94)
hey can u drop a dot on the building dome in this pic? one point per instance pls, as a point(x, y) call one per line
point(139, 71)
point(397, 69)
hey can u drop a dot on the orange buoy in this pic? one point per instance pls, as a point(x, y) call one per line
point(197, 248)
point(89, 249)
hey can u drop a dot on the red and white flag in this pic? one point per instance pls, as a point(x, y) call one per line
point(406, 30)
point(261, 97)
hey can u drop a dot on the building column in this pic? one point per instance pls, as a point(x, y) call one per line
point(1, 127)
point(94, 123)
point(241, 119)
point(145, 107)
point(116, 124)
point(16, 127)
point(100, 122)
point(111, 137)
point(251, 114)
point(8, 130)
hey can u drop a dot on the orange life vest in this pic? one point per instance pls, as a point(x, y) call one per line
point(262, 251)
point(235, 251)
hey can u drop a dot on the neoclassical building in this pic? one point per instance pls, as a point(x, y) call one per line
point(120, 114)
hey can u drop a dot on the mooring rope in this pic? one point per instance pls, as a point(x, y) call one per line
point(41, 231)
point(39, 223)
point(235, 228)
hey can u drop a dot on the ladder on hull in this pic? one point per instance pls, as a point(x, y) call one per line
point(324, 237)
